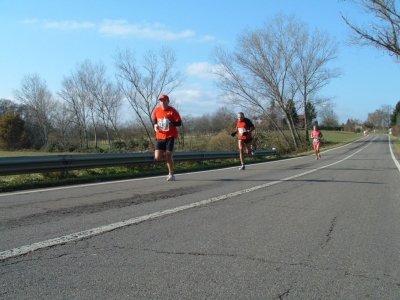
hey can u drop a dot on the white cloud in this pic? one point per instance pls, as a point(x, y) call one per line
point(201, 69)
point(69, 25)
point(155, 31)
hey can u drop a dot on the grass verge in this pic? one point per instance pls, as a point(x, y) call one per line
point(396, 144)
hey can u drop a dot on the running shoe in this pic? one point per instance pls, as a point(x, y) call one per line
point(242, 167)
point(319, 155)
point(253, 151)
point(171, 177)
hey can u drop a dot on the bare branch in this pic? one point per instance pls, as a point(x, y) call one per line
point(143, 83)
point(384, 32)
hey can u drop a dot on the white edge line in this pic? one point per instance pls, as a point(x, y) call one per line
point(391, 152)
point(106, 228)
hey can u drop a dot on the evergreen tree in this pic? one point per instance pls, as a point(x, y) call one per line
point(311, 114)
point(12, 131)
point(395, 116)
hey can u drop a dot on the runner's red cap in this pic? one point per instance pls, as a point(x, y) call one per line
point(163, 97)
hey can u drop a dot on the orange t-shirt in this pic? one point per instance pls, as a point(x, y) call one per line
point(161, 118)
point(244, 126)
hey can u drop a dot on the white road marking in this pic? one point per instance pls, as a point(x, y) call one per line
point(106, 228)
point(393, 157)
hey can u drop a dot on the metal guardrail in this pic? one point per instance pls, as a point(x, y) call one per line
point(63, 163)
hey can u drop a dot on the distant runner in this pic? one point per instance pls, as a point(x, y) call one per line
point(244, 128)
point(316, 135)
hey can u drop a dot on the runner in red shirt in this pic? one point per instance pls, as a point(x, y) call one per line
point(316, 135)
point(166, 119)
point(244, 128)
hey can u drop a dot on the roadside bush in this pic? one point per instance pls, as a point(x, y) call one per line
point(58, 148)
point(70, 148)
point(52, 147)
point(223, 141)
point(195, 144)
point(132, 144)
point(396, 130)
point(268, 139)
point(118, 145)
point(143, 144)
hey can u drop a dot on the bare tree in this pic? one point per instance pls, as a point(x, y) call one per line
point(87, 75)
point(381, 117)
point(75, 95)
point(386, 113)
point(35, 94)
point(143, 82)
point(63, 125)
point(201, 125)
point(383, 32)
point(310, 71)
point(265, 70)
point(93, 99)
point(328, 116)
point(223, 118)
point(6, 105)
point(109, 105)
point(104, 97)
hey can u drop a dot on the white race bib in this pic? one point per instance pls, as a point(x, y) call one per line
point(163, 124)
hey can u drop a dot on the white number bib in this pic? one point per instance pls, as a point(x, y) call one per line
point(163, 124)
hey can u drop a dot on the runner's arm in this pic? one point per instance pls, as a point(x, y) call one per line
point(176, 124)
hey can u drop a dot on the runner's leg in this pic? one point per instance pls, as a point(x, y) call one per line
point(159, 154)
point(241, 155)
point(248, 147)
point(170, 161)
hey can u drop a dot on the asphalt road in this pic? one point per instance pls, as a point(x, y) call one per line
point(290, 229)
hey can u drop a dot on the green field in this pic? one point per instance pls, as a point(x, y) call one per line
point(340, 137)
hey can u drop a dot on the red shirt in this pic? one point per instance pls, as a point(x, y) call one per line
point(244, 126)
point(166, 129)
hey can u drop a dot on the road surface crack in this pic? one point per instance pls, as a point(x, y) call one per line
point(329, 234)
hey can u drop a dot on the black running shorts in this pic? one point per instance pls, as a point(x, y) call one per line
point(166, 145)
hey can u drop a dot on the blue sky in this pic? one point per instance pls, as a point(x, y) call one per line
point(51, 37)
